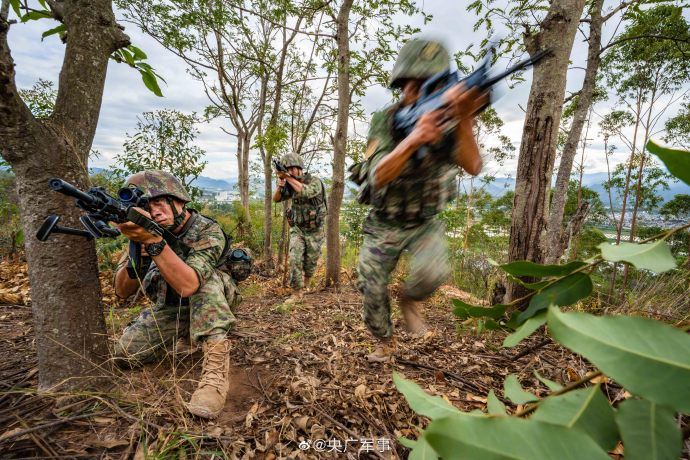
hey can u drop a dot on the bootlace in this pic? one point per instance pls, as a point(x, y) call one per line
point(214, 367)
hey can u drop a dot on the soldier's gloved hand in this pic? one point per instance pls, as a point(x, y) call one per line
point(428, 129)
point(462, 103)
point(134, 232)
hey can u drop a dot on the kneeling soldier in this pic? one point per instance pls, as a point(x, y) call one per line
point(191, 296)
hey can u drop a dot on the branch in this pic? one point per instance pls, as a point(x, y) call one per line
point(15, 116)
point(93, 36)
point(649, 36)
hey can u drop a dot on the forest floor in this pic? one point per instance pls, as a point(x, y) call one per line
point(300, 383)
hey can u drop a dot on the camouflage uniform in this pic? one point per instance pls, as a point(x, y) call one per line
point(205, 314)
point(404, 214)
point(307, 230)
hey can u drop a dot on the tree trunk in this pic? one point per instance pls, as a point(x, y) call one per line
point(584, 102)
point(243, 182)
point(339, 146)
point(63, 273)
point(538, 146)
point(268, 216)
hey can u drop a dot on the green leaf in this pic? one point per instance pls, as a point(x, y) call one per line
point(649, 358)
point(513, 391)
point(587, 410)
point(550, 384)
point(127, 56)
point(565, 291)
point(676, 161)
point(525, 268)
point(36, 15)
point(137, 53)
point(423, 450)
point(655, 256)
point(494, 405)
point(649, 431)
point(421, 402)
point(525, 330)
point(464, 310)
point(503, 438)
point(407, 442)
point(55, 30)
point(151, 83)
point(15, 7)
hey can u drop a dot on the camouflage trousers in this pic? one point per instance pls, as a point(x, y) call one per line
point(383, 245)
point(305, 249)
point(205, 314)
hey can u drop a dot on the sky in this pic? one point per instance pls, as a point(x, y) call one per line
point(126, 97)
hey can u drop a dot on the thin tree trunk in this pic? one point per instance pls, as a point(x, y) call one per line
point(340, 146)
point(538, 146)
point(584, 102)
point(63, 272)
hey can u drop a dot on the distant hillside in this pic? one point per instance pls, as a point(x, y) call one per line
point(593, 181)
point(202, 182)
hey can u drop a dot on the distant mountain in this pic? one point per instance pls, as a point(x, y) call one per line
point(594, 181)
point(202, 182)
point(207, 183)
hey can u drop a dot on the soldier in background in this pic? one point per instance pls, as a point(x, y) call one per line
point(306, 217)
point(407, 194)
point(191, 296)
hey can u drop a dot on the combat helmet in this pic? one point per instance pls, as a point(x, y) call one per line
point(156, 183)
point(419, 59)
point(292, 159)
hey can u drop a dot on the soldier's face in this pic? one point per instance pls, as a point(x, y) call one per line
point(410, 90)
point(161, 212)
point(295, 171)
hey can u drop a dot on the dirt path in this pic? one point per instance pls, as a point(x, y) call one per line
point(300, 386)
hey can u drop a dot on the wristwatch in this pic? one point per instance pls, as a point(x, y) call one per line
point(155, 249)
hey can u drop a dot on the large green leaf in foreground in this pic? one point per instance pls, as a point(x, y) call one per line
point(563, 292)
point(649, 431)
point(421, 402)
point(499, 438)
point(587, 410)
point(656, 257)
point(647, 357)
point(677, 161)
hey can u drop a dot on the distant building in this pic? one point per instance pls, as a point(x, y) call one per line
point(227, 196)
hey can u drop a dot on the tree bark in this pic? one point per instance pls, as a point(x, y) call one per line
point(339, 146)
point(63, 273)
point(538, 146)
point(554, 232)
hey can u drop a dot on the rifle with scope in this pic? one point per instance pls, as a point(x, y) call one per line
point(102, 208)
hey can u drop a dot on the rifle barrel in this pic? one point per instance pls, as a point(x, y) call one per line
point(68, 189)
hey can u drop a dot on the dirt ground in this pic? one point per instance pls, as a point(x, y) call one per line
point(300, 384)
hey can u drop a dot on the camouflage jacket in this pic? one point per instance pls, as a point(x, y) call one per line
point(309, 206)
point(423, 188)
point(200, 246)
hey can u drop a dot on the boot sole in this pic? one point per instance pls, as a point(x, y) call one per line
point(203, 412)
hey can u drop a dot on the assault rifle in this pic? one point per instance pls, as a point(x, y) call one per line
point(432, 91)
point(280, 167)
point(102, 208)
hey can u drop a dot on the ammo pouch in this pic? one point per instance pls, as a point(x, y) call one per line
point(290, 216)
point(308, 213)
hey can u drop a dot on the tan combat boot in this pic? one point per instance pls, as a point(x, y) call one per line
point(384, 352)
point(413, 318)
point(209, 398)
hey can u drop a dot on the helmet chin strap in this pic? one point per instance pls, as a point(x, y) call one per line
point(178, 217)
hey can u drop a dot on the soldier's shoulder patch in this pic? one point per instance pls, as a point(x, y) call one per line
point(201, 244)
point(372, 145)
